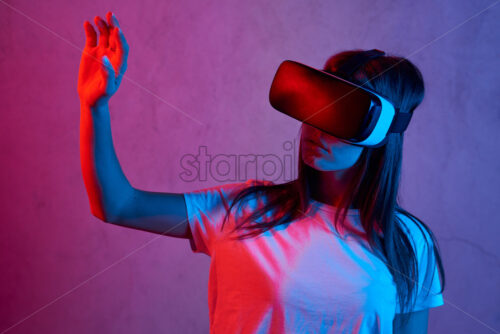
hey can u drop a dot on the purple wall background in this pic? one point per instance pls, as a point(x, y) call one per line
point(199, 74)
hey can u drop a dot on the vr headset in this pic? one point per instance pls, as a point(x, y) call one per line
point(330, 103)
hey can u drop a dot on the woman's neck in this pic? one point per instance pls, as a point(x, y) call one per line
point(328, 186)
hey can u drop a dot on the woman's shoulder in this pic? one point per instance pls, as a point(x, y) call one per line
point(420, 233)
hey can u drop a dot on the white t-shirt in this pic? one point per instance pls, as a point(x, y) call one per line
point(301, 277)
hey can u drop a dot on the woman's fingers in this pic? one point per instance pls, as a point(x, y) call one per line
point(122, 48)
point(117, 42)
point(112, 20)
point(103, 32)
point(113, 26)
point(90, 35)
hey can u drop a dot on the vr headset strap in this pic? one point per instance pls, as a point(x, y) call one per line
point(401, 120)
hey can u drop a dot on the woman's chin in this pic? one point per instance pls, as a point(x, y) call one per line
point(318, 163)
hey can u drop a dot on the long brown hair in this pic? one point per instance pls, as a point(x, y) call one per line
point(374, 187)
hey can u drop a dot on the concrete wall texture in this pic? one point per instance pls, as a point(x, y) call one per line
point(198, 74)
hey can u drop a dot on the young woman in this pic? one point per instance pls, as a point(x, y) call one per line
point(329, 252)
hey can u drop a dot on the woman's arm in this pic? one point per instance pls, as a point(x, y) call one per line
point(102, 66)
point(112, 198)
point(107, 187)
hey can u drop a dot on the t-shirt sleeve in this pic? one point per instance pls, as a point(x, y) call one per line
point(206, 209)
point(429, 283)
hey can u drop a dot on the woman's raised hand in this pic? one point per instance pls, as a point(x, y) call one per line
point(103, 62)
